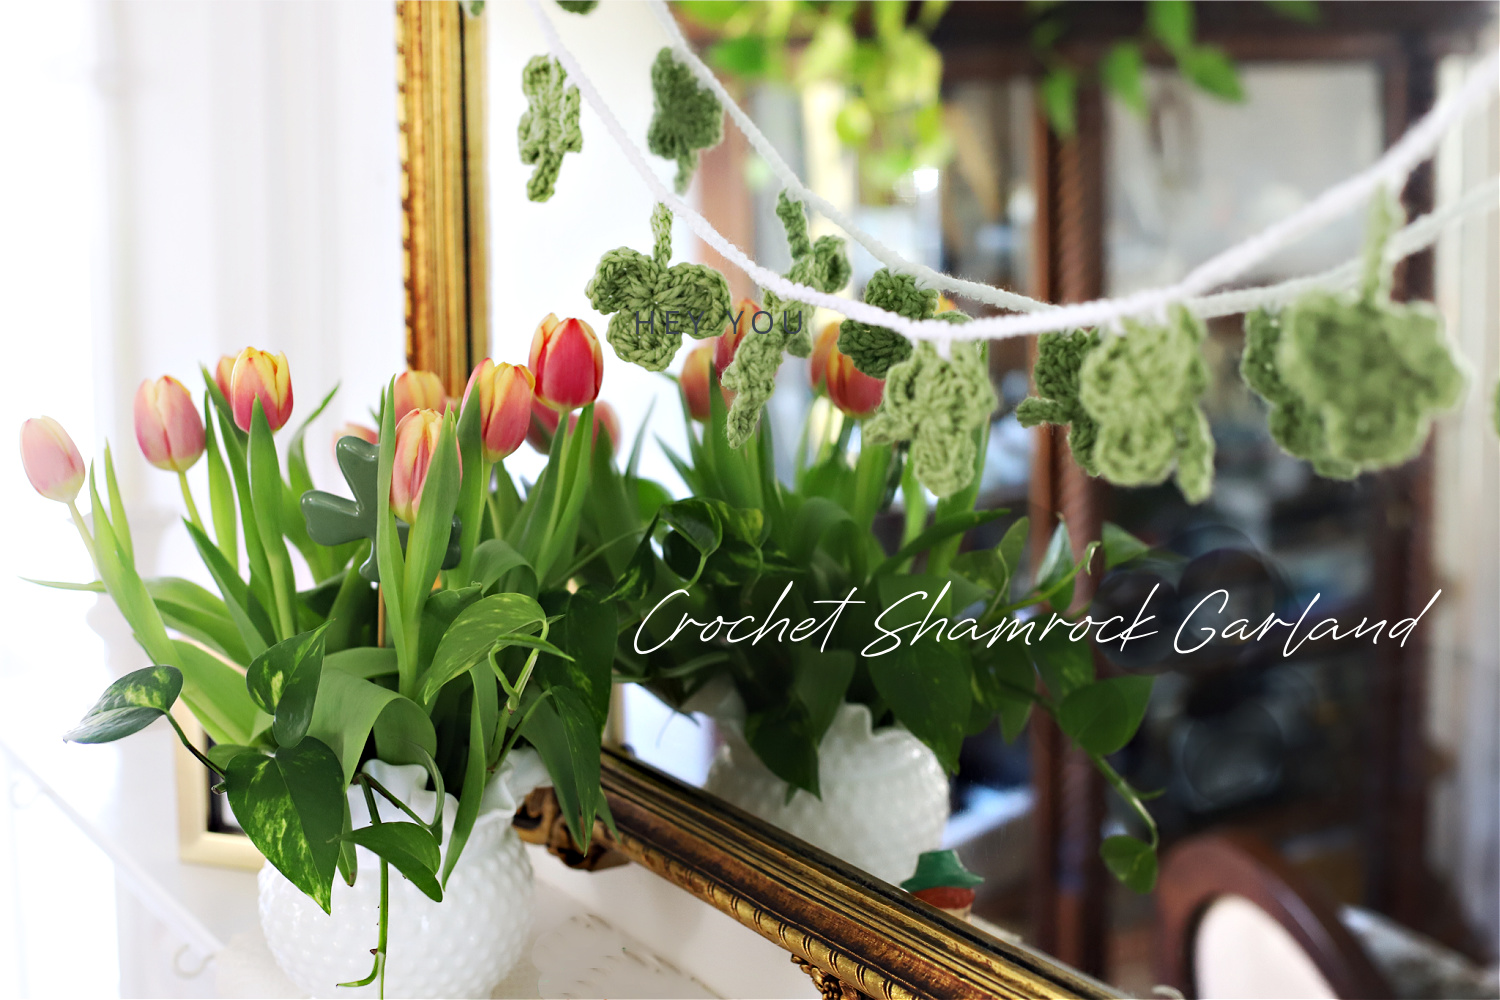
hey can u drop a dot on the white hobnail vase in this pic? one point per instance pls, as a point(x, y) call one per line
point(884, 795)
point(460, 947)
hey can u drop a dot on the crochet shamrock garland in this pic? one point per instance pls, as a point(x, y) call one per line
point(1294, 425)
point(549, 125)
point(936, 404)
point(1059, 359)
point(874, 349)
point(822, 265)
point(686, 118)
point(655, 304)
point(1353, 379)
point(1143, 390)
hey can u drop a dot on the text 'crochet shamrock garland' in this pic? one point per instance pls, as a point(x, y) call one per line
point(1142, 389)
point(874, 349)
point(549, 125)
point(937, 405)
point(686, 117)
point(822, 265)
point(655, 304)
point(1059, 359)
point(1353, 379)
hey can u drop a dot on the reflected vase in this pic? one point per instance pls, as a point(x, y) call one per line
point(884, 795)
point(461, 947)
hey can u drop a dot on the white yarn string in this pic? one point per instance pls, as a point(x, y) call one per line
point(1419, 235)
point(1392, 169)
point(1389, 171)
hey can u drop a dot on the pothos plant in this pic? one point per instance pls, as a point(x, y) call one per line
point(440, 628)
point(939, 640)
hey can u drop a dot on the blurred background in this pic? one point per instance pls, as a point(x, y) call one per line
point(189, 178)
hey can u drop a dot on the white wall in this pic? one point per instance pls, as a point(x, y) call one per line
point(545, 253)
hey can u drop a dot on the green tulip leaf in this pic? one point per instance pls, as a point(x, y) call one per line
point(129, 705)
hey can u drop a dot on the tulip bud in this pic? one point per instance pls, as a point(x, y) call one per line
point(699, 378)
point(605, 417)
point(51, 459)
point(263, 376)
point(566, 363)
point(851, 390)
point(504, 401)
point(827, 343)
point(354, 430)
point(417, 438)
point(543, 426)
point(728, 342)
point(224, 373)
point(167, 426)
point(418, 390)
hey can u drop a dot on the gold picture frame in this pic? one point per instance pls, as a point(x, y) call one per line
point(202, 838)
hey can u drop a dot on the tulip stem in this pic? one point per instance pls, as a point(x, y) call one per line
point(83, 531)
point(192, 508)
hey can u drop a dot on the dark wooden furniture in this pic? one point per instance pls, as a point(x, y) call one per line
point(1200, 870)
point(989, 41)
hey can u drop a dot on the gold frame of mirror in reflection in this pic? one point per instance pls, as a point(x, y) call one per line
point(855, 935)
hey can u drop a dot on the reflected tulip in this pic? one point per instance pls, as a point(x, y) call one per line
point(417, 439)
point(167, 425)
point(698, 379)
point(354, 430)
point(51, 459)
point(263, 376)
point(605, 417)
point(505, 402)
point(566, 363)
point(851, 390)
point(224, 373)
point(728, 342)
point(419, 390)
point(826, 344)
point(543, 426)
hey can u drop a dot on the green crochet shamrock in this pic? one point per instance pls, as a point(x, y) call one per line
point(1295, 425)
point(1059, 357)
point(578, 6)
point(1142, 389)
point(654, 304)
point(1373, 372)
point(687, 117)
point(334, 520)
point(822, 265)
point(549, 125)
point(874, 349)
point(937, 405)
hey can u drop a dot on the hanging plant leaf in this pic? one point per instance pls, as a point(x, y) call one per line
point(290, 804)
point(129, 705)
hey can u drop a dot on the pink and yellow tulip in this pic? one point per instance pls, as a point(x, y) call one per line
point(505, 395)
point(263, 376)
point(167, 425)
point(850, 389)
point(51, 459)
point(419, 390)
point(417, 437)
point(566, 363)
